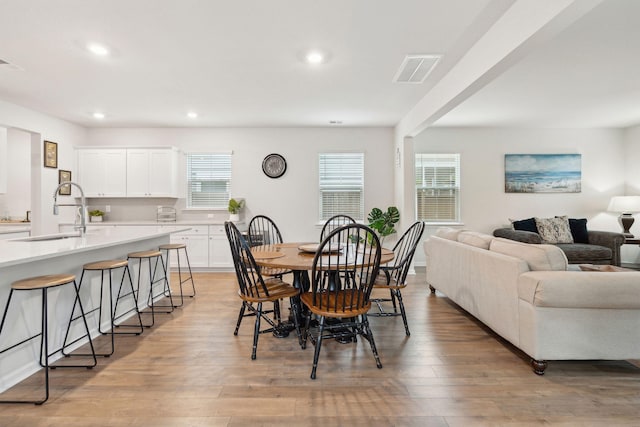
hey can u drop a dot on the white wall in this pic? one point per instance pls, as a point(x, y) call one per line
point(292, 200)
point(17, 200)
point(43, 180)
point(485, 205)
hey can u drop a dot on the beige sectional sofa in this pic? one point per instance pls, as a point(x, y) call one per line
point(525, 293)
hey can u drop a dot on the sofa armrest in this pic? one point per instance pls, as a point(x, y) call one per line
point(610, 240)
point(518, 235)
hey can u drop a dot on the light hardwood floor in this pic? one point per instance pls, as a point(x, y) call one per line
point(189, 370)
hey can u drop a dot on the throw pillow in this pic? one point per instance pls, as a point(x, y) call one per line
point(554, 230)
point(579, 230)
point(528, 224)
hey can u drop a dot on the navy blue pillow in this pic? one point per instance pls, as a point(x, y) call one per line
point(528, 224)
point(579, 230)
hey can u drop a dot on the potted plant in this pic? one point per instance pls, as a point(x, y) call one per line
point(235, 206)
point(383, 222)
point(96, 215)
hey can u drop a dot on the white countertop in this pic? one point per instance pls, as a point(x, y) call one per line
point(6, 229)
point(152, 222)
point(14, 252)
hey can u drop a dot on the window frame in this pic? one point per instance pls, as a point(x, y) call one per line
point(221, 172)
point(439, 184)
point(337, 181)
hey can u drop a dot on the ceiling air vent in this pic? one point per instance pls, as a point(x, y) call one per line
point(416, 68)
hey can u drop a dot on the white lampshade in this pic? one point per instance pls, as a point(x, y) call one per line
point(624, 204)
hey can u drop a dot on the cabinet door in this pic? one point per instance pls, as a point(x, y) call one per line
point(137, 173)
point(219, 251)
point(162, 173)
point(102, 172)
point(151, 172)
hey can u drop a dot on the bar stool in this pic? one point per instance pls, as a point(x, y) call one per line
point(107, 267)
point(45, 283)
point(177, 246)
point(151, 256)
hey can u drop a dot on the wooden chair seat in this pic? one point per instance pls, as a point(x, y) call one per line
point(336, 304)
point(276, 288)
point(383, 281)
point(41, 282)
point(169, 246)
point(105, 265)
point(144, 254)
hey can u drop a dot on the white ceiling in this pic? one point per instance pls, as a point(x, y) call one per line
point(237, 63)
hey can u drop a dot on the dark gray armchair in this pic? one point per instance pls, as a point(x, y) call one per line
point(603, 246)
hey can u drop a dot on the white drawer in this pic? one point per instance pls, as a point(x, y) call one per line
point(217, 230)
point(196, 230)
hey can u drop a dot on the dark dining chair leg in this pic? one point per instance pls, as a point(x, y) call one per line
point(256, 332)
point(369, 336)
point(316, 354)
point(296, 321)
point(240, 316)
point(402, 312)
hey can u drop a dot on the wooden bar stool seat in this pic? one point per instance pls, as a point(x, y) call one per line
point(107, 267)
point(178, 247)
point(44, 283)
point(153, 257)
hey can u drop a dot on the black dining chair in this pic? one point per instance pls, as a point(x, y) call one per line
point(344, 293)
point(335, 222)
point(263, 231)
point(393, 276)
point(254, 289)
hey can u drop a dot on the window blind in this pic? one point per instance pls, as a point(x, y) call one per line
point(341, 177)
point(438, 187)
point(208, 180)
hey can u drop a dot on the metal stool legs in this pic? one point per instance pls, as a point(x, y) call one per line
point(166, 291)
point(189, 277)
point(44, 283)
point(107, 267)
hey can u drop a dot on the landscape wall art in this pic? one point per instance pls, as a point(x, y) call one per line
point(542, 173)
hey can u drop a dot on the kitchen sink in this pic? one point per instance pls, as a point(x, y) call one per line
point(47, 237)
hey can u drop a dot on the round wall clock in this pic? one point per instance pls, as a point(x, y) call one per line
point(274, 165)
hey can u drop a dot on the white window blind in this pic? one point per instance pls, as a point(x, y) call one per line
point(341, 185)
point(208, 180)
point(438, 187)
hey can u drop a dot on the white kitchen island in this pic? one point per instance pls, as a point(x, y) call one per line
point(21, 259)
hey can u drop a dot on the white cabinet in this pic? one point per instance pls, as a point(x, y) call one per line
point(197, 243)
point(219, 250)
point(14, 235)
point(103, 172)
point(3, 160)
point(152, 172)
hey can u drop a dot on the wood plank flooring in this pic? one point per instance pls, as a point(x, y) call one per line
point(190, 370)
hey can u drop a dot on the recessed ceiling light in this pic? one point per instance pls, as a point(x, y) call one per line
point(98, 115)
point(98, 49)
point(314, 57)
point(192, 115)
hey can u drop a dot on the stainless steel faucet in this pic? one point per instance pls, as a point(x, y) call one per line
point(83, 206)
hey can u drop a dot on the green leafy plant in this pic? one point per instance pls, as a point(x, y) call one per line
point(383, 222)
point(96, 212)
point(235, 206)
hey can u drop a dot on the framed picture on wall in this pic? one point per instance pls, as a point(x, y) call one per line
point(50, 154)
point(64, 176)
point(542, 173)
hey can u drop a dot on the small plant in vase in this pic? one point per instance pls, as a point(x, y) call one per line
point(235, 206)
point(96, 215)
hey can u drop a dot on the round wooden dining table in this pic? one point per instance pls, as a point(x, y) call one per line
point(289, 256)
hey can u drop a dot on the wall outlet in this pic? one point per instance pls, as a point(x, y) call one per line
point(107, 208)
point(209, 215)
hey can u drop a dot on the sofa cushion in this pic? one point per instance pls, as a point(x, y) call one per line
point(554, 230)
point(578, 253)
point(448, 233)
point(579, 230)
point(474, 238)
point(528, 224)
point(538, 257)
